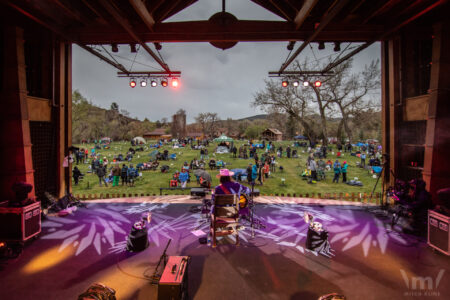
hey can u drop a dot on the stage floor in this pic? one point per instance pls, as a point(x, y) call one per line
point(371, 262)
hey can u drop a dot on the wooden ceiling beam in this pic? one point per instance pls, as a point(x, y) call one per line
point(89, 5)
point(323, 23)
point(386, 6)
point(142, 11)
point(304, 12)
point(386, 34)
point(73, 13)
point(281, 10)
point(203, 31)
point(155, 5)
point(125, 25)
point(168, 10)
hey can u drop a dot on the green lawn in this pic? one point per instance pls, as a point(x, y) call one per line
point(151, 181)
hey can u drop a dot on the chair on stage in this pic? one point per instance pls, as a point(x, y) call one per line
point(225, 217)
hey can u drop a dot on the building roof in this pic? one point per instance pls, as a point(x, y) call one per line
point(273, 130)
point(157, 131)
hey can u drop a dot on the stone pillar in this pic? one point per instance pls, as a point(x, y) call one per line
point(15, 159)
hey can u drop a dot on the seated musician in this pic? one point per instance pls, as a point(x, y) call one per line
point(228, 186)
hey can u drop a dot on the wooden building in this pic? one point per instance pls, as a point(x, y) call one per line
point(272, 134)
point(158, 133)
point(36, 68)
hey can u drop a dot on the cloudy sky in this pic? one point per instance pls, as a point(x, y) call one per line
point(212, 80)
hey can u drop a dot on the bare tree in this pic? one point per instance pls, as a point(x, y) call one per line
point(208, 122)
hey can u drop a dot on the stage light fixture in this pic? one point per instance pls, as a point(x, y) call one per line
point(284, 83)
point(157, 46)
point(290, 46)
point(143, 83)
point(337, 46)
point(164, 82)
point(114, 48)
point(295, 83)
point(175, 82)
point(132, 83)
point(305, 83)
point(318, 83)
point(321, 45)
point(153, 83)
point(133, 48)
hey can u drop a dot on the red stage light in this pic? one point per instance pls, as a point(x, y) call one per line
point(174, 82)
point(132, 83)
point(164, 83)
point(284, 83)
point(317, 83)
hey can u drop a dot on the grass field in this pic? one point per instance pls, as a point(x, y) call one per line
point(151, 181)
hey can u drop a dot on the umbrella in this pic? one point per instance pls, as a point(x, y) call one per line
point(223, 138)
point(238, 172)
point(202, 173)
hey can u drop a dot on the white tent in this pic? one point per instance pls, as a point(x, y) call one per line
point(139, 140)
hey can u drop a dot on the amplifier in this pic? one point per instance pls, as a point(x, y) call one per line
point(20, 223)
point(198, 191)
point(438, 231)
point(173, 284)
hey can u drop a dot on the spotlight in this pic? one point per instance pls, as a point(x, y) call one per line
point(114, 48)
point(157, 46)
point(174, 82)
point(164, 82)
point(318, 83)
point(153, 83)
point(295, 83)
point(337, 46)
point(305, 83)
point(284, 83)
point(132, 83)
point(133, 48)
point(321, 45)
point(143, 83)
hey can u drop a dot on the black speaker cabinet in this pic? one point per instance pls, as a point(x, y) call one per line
point(438, 231)
point(20, 223)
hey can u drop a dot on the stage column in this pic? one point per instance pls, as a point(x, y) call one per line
point(436, 172)
point(15, 159)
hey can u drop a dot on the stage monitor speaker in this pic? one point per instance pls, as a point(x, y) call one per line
point(198, 192)
point(438, 231)
point(173, 284)
point(20, 223)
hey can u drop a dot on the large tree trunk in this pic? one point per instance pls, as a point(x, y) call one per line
point(323, 119)
point(348, 131)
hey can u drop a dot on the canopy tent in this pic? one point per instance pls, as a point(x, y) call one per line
point(300, 137)
point(223, 138)
point(105, 139)
point(139, 140)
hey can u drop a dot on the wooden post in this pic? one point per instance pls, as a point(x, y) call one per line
point(436, 172)
point(16, 159)
point(353, 197)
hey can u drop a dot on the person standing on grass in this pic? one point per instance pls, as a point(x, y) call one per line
point(344, 171)
point(337, 171)
point(123, 174)
point(76, 174)
point(101, 172)
point(116, 173)
point(131, 173)
point(266, 168)
point(363, 160)
point(184, 176)
point(254, 173)
point(313, 168)
point(249, 173)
